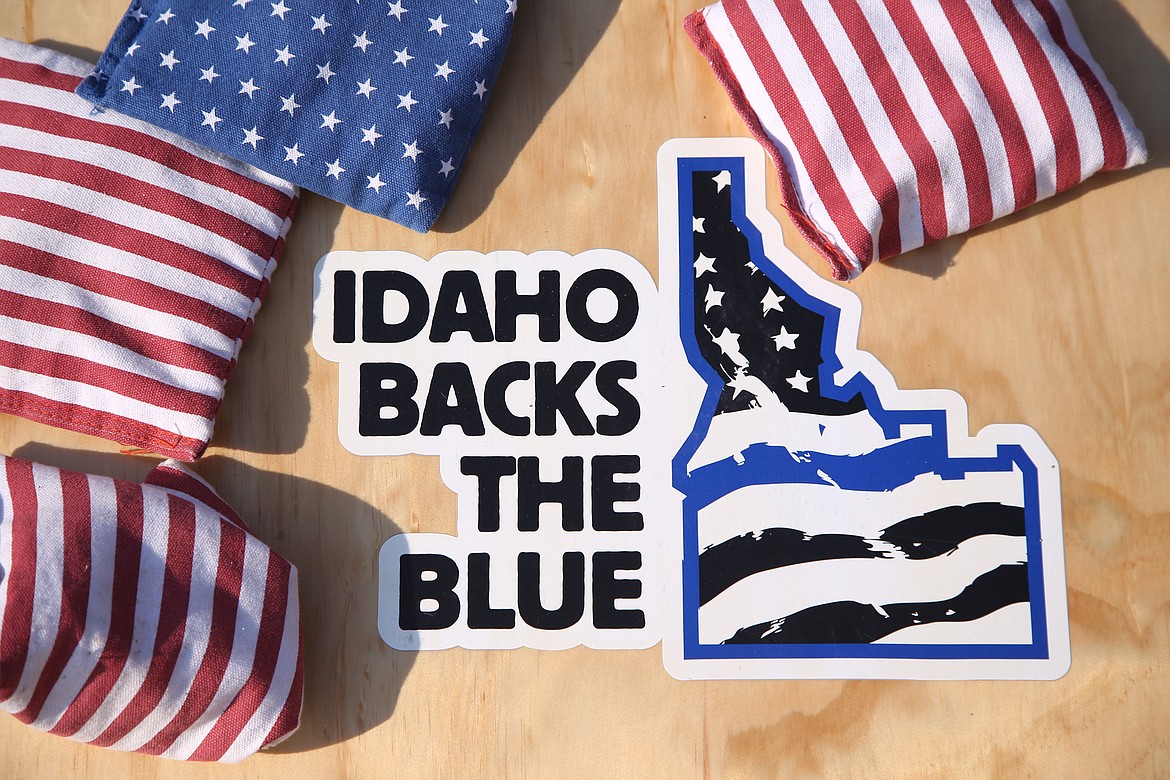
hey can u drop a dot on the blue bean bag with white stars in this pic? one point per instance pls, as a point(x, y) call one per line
point(373, 104)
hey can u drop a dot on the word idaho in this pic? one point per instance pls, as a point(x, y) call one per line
point(532, 377)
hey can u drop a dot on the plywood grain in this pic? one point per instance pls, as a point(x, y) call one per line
point(1058, 318)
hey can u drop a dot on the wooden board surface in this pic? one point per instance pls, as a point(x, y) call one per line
point(1058, 318)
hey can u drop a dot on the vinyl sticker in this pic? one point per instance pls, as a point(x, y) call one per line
point(832, 525)
point(713, 465)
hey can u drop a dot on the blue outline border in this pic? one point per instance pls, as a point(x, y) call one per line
point(768, 464)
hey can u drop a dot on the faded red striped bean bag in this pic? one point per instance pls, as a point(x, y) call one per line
point(895, 123)
point(143, 617)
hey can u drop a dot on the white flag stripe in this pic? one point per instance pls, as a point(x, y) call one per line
point(268, 711)
point(773, 125)
point(823, 117)
point(1025, 99)
point(247, 628)
point(927, 115)
point(133, 216)
point(148, 602)
point(103, 528)
point(197, 631)
point(32, 334)
point(117, 311)
point(5, 542)
point(108, 401)
point(776, 593)
point(877, 123)
point(1009, 625)
point(825, 509)
point(142, 168)
point(1084, 120)
point(991, 141)
point(46, 612)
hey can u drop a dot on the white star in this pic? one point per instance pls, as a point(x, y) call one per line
point(447, 168)
point(248, 87)
point(741, 382)
point(292, 154)
point(210, 119)
point(130, 85)
point(290, 104)
point(244, 43)
point(330, 120)
point(406, 101)
point(251, 137)
point(444, 70)
point(784, 339)
point(319, 23)
point(208, 74)
point(480, 89)
point(371, 135)
point(437, 25)
point(411, 150)
point(166, 16)
point(704, 264)
point(169, 61)
point(325, 72)
point(415, 199)
point(396, 10)
point(205, 29)
point(697, 224)
point(728, 344)
point(752, 268)
point(376, 184)
point(133, 48)
point(170, 101)
point(365, 88)
point(446, 118)
point(279, 9)
point(136, 12)
point(511, 9)
point(771, 301)
point(478, 38)
point(722, 179)
point(241, 3)
point(335, 169)
point(799, 382)
point(361, 42)
point(283, 56)
point(401, 57)
point(712, 298)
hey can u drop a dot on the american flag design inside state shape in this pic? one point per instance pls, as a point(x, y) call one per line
point(840, 523)
point(373, 104)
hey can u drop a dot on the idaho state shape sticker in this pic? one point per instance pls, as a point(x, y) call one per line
point(831, 524)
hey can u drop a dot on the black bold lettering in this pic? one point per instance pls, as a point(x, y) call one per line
point(480, 613)
point(489, 470)
point(374, 396)
point(569, 493)
point(629, 412)
point(577, 305)
point(605, 492)
point(545, 304)
point(344, 303)
point(456, 286)
point(554, 396)
point(495, 398)
point(572, 591)
point(414, 589)
point(375, 285)
point(451, 380)
point(607, 589)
